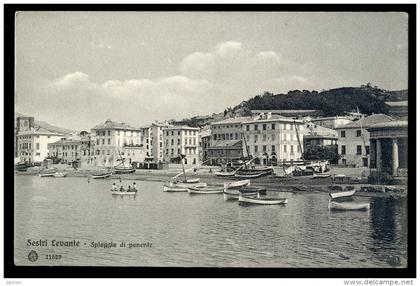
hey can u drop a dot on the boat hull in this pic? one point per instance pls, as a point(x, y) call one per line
point(184, 185)
point(339, 206)
point(60, 175)
point(342, 194)
point(228, 174)
point(124, 171)
point(46, 175)
point(205, 190)
point(320, 176)
point(101, 176)
point(117, 193)
point(261, 201)
point(170, 189)
point(237, 184)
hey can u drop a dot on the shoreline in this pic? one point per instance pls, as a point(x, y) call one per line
point(301, 184)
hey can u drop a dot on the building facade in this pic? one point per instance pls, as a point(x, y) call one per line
point(204, 138)
point(32, 144)
point(332, 122)
point(226, 140)
point(114, 141)
point(181, 140)
point(273, 138)
point(353, 140)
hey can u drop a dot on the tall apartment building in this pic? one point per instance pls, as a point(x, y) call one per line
point(152, 139)
point(181, 140)
point(113, 140)
point(273, 138)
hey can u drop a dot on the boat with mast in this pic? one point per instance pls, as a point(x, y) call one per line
point(121, 168)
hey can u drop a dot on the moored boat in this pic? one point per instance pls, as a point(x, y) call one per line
point(321, 175)
point(186, 185)
point(250, 176)
point(348, 206)
point(237, 184)
point(124, 170)
point(206, 190)
point(22, 166)
point(101, 175)
point(59, 174)
point(244, 199)
point(173, 189)
point(342, 194)
point(47, 173)
point(225, 174)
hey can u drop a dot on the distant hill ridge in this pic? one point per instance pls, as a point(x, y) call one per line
point(334, 102)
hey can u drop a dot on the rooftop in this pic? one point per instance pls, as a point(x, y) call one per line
point(180, 127)
point(233, 120)
point(109, 124)
point(390, 124)
point(39, 131)
point(366, 122)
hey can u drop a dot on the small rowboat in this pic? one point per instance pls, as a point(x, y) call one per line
point(244, 199)
point(321, 175)
point(342, 194)
point(186, 185)
point(349, 206)
point(250, 176)
point(225, 174)
point(237, 184)
point(101, 175)
point(170, 189)
point(124, 170)
point(205, 190)
point(125, 193)
point(59, 175)
point(48, 173)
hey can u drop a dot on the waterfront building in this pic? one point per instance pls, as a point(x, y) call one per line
point(113, 141)
point(204, 137)
point(273, 138)
point(181, 140)
point(73, 148)
point(353, 140)
point(317, 135)
point(22, 123)
point(226, 141)
point(32, 144)
point(389, 149)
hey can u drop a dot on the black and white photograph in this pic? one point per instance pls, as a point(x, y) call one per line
point(248, 139)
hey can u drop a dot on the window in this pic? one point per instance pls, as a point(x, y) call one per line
point(255, 138)
point(273, 148)
point(109, 132)
point(264, 126)
point(264, 137)
point(358, 133)
point(359, 150)
point(343, 150)
point(172, 141)
point(343, 133)
point(291, 149)
point(367, 150)
point(273, 126)
point(264, 148)
point(37, 146)
point(214, 137)
point(285, 148)
point(247, 128)
point(103, 141)
point(179, 151)
point(172, 133)
point(273, 137)
point(179, 140)
point(179, 133)
point(109, 141)
point(236, 136)
point(256, 148)
point(255, 127)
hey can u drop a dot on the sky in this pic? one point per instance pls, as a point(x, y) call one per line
point(78, 69)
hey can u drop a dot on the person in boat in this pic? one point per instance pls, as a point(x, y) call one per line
point(114, 188)
point(129, 189)
point(134, 187)
point(122, 189)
